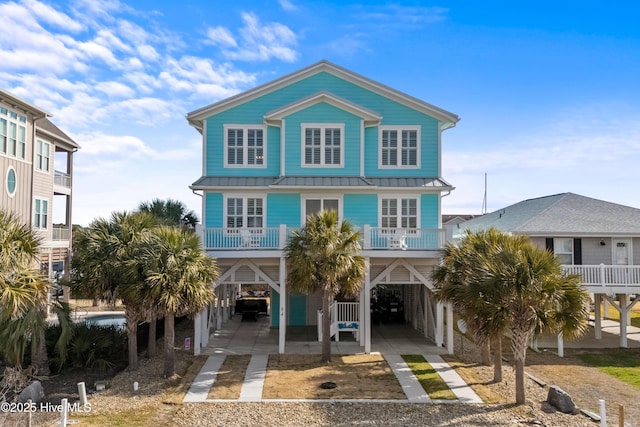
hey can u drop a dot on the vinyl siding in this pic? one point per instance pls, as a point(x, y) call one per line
point(429, 210)
point(361, 209)
point(283, 209)
point(214, 210)
point(20, 203)
point(252, 112)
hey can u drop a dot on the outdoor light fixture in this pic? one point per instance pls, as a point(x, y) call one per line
point(602, 243)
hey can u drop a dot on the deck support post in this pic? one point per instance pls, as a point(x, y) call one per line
point(597, 300)
point(282, 328)
point(439, 324)
point(367, 307)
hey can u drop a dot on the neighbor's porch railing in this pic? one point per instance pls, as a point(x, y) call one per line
point(343, 317)
point(606, 275)
point(62, 179)
point(373, 238)
point(61, 232)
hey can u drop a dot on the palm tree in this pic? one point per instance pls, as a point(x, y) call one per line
point(505, 282)
point(170, 212)
point(538, 297)
point(180, 277)
point(457, 279)
point(323, 256)
point(24, 294)
point(106, 266)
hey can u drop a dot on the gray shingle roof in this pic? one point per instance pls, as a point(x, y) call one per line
point(561, 214)
point(48, 127)
point(318, 181)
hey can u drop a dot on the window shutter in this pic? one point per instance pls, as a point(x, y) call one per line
point(549, 243)
point(577, 251)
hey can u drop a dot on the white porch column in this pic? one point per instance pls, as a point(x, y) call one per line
point(367, 307)
point(449, 328)
point(597, 300)
point(204, 326)
point(282, 328)
point(624, 314)
point(439, 324)
point(219, 308)
point(626, 300)
point(560, 344)
point(425, 307)
point(197, 333)
point(225, 302)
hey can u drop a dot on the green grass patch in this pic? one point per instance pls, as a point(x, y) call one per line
point(623, 364)
point(429, 379)
point(133, 418)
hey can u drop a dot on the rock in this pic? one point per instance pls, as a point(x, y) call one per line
point(33, 392)
point(560, 400)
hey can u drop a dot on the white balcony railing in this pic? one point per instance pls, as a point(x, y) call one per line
point(272, 238)
point(61, 232)
point(606, 275)
point(62, 179)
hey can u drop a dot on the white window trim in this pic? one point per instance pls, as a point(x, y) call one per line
point(556, 246)
point(245, 206)
point(37, 226)
point(399, 199)
point(6, 182)
point(418, 130)
point(35, 165)
point(322, 127)
point(245, 145)
point(19, 124)
point(320, 196)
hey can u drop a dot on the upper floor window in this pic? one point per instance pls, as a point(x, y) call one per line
point(245, 145)
point(13, 133)
point(43, 150)
point(245, 212)
point(399, 146)
point(563, 249)
point(41, 213)
point(398, 213)
point(322, 144)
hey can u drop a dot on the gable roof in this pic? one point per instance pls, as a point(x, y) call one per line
point(45, 126)
point(370, 117)
point(16, 102)
point(564, 214)
point(447, 119)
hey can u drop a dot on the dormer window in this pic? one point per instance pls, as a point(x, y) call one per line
point(245, 146)
point(399, 147)
point(322, 145)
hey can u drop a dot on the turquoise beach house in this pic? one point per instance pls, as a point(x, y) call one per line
point(320, 138)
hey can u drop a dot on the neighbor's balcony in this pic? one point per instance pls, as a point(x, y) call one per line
point(62, 179)
point(613, 278)
point(275, 238)
point(60, 232)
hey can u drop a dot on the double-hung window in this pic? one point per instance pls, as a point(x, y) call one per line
point(323, 144)
point(399, 147)
point(43, 153)
point(41, 213)
point(563, 249)
point(398, 213)
point(245, 213)
point(245, 145)
point(13, 133)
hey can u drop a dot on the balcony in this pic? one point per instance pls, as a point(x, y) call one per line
point(62, 179)
point(275, 238)
point(611, 279)
point(61, 233)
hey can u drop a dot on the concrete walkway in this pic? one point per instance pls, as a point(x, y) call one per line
point(256, 371)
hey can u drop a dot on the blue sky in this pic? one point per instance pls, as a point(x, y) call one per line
point(548, 92)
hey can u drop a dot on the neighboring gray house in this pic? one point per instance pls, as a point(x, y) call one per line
point(590, 237)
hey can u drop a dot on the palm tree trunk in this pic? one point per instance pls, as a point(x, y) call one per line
point(132, 337)
point(39, 358)
point(519, 344)
point(169, 344)
point(485, 353)
point(151, 343)
point(497, 358)
point(326, 327)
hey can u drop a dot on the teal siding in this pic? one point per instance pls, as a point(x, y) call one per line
point(283, 209)
point(297, 309)
point(322, 113)
point(252, 112)
point(361, 209)
point(213, 210)
point(429, 210)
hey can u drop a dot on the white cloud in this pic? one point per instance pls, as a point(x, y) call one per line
point(52, 16)
point(287, 5)
point(115, 89)
point(258, 42)
point(220, 36)
point(99, 143)
point(148, 52)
